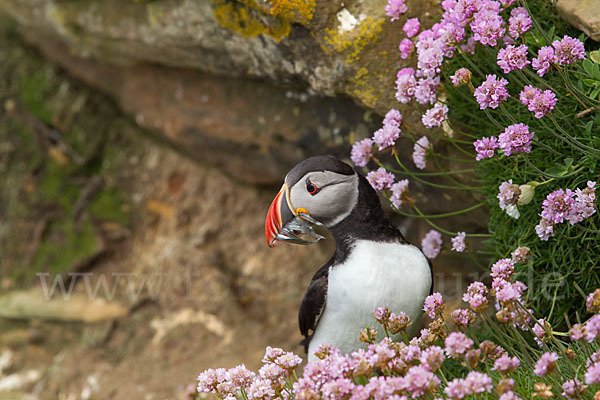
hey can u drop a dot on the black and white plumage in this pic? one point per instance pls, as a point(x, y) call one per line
point(373, 264)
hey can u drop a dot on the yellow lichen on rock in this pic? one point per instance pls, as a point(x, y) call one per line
point(300, 11)
point(364, 88)
point(248, 19)
point(353, 42)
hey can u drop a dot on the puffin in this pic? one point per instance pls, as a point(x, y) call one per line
point(373, 264)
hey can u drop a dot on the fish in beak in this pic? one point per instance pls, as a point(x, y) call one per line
point(286, 224)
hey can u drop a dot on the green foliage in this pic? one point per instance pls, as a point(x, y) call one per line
point(565, 154)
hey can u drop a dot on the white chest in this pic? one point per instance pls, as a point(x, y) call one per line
point(375, 274)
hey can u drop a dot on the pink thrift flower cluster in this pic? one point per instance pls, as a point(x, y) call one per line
point(399, 194)
point(458, 242)
point(385, 137)
point(432, 244)
point(537, 101)
point(406, 48)
point(476, 296)
point(361, 152)
point(519, 22)
point(546, 364)
point(565, 205)
point(516, 138)
point(513, 57)
point(419, 154)
point(435, 116)
point(395, 8)
point(380, 179)
point(485, 147)
point(491, 92)
point(433, 305)
point(474, 383)
point(411, 27)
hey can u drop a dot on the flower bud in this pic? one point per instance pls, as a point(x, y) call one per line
point(367, 335)
point(526, 195)
point(570, 354)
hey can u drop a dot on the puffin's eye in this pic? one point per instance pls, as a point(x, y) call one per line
point(311, 187)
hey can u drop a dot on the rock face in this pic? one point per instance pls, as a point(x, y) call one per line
point(336, 47)
point(583, 14)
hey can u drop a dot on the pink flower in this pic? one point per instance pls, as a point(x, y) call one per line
point(568, 50)
point(419, 155)
point(462, 76)
point(546, 364)
point(544, 229)
point(393, 118)
point(361, 152)
point(512, 57)
point(487, 27)
point(573, 389)
point(516, 138)
point(261, 389)
point(583, 207)
point(491, 92)
point(406, 48)
point(399, 193)
point(430, 55)
point(411, 27)
point(406, 84)
point(558, 205)
point(457, 344)
point(382, 314)
point(380, 179)
point(485, 147)
point(432, 358)
point(433, 303)
point(419, 380)
point(425, 90)
point(338, 389)
point(508, 196)
point(592, 375)
point(476, 296)
point(435, 116)
point(592, 328)
point(544, 60)
point(386, 136)
point(509, 292)
point(395, 8)
point(456, 389)
point(539, 330)
point(432, 244)
point(458, 242)
point(503, 269)
point(519, 22)
point(505, 364)
point(542, 103)
point(462, 317)
point(288, 361)
point(576, 332)
point(478, 382)
point(528, 94)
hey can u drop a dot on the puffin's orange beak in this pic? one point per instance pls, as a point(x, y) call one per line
point(279, 214)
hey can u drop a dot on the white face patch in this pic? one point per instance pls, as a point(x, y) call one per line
point(336, 196)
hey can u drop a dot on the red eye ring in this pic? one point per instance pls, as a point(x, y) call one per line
point(311, 187)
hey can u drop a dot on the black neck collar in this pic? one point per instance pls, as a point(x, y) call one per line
point(367, 221)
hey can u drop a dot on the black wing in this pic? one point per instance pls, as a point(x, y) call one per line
point(313, 304)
